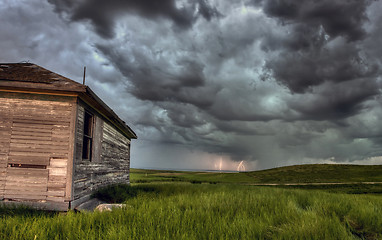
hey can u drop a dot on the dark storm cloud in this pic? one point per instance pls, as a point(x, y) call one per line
point(314, 46)
point(155, 81)
point(209, 104)
point(207, 11)
point(338, 18)
point(103, 14)
point(342, 62)
point(62, 6)
point(274, 82)
point(185, 117)
point(336, 101)
point(202, 98)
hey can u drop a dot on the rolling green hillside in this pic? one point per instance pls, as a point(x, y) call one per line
point(312, 173)
point(319, 173)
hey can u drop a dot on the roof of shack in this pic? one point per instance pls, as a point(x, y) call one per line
point(31, 77)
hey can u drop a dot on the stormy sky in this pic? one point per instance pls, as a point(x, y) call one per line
point(267, 82)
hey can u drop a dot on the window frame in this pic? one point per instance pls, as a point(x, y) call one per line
point(87, 139)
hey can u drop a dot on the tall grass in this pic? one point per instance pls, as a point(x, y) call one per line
point(204, 211)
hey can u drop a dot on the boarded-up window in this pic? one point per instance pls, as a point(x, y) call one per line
point(88, 136)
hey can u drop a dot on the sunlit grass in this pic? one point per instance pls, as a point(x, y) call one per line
point(205, 211)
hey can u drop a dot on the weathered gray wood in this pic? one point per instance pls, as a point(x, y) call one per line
point(52, 152)
point(111, 167)
point(42, 173)
point(57, 193)
point(51, 205)
point(37, 120)
point(53, 184)
point(3, 165)
point(57, 171)
point(39, 138)
point(5, 137)
point(58, 163)
point(24, 179)
point(35, 131)
point(26, 189)
point(32, 128)
point(39, 142)
point(56, 199)
point(29, 160)
point(28, 125)
point(37, 197)
point(46, 147)
point(97, 139)
point(37, 134)
point(57, 179)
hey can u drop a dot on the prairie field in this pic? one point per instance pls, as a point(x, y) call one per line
point(210, 210)
point(309, 173)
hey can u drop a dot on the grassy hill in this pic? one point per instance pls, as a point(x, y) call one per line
point(319, 173)
point(311, 173)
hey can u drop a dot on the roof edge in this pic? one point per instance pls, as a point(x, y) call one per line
point(72, 87)
point(112, 116)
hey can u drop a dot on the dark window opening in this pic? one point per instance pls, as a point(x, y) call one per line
point(21, 165)
point(88, 136)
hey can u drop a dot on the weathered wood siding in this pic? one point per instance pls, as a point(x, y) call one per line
point(35, 132)
point(110, 161)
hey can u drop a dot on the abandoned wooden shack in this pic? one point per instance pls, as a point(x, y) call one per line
point(59, 142)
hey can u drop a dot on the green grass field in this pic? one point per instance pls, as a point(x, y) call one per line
point(352, 178)
point(173, 205)
point(313, 173)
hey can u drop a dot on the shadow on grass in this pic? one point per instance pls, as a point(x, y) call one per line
point(122, 192)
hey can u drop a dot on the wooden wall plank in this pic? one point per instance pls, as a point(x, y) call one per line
point(20, 150)
point(60, 193)
point(38, 173)
point(52, 184)
point(5, 136)
point(57, 171)
point(29, 160)
point(27, 128)
point(26, 188)
point(45, 147)
point(40, 125)
point(97, 139)
point(58, 163)
point(37, 134)
point(42, 120)
point(39, 142)
point(55, 199)
point(56, 179)
point(35, 197)
point(25, 179)
point(39, 138)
